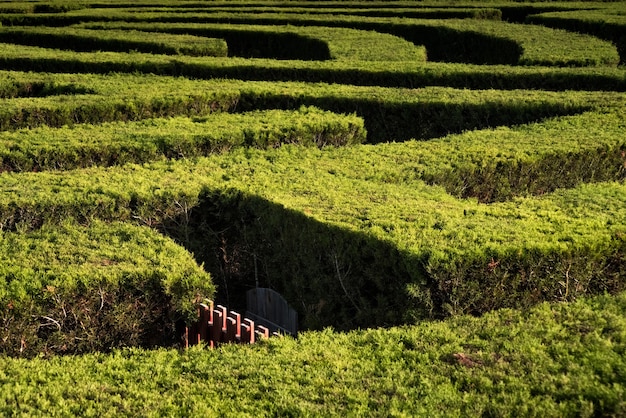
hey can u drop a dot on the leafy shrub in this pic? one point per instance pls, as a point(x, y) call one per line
point(72, 289)
point(560, 359)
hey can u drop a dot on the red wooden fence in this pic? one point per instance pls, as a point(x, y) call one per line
point(217, 325)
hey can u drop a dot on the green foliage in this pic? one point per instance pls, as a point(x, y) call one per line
point(288, 42)
point(96, 99)
point(457, 40)
point(56, 6)
point(607, 23)
point(366, 9)
point(16, 7)
point(76, 39)
point(394, 251)
point(520, 199)
point(356, 220)
point(152, 139)
point(390, 114)
point(14, 89)
point(554, 360)
point(379, 73)
point(552, 47)
point(530, 159)
point(69, 288)
point(463, 40)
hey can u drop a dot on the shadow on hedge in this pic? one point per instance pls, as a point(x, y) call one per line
point(347, 279)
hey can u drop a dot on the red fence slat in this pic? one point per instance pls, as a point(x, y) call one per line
point(224, 312)
point(216, 328)
point(203, 322)
point(262, 332)
point(231, 330)
point(247, 331)
point(237, 317)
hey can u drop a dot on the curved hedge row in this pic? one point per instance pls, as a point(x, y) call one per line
point(450, 40)
point(258, 41)
point(371, 73)
point(519, 200)
point(68, 288)
point(398, 246)
point(389, 114)
point(78, 39)
point(163, 196)
point(367, 9)
point(605, 24)
point(463, 40)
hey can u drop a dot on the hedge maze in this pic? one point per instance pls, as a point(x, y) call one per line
point(380, 164)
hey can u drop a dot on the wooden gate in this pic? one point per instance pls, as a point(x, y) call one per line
point(270, 309)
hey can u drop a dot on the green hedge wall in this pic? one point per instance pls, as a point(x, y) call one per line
point(390, 74)
point(561, 359)
point(452, 40)
point(76, 39)
point(289, 42)
point(116, 143)
point(361, 235)
point(607, 24)
point(69, 288)
point(373, 250)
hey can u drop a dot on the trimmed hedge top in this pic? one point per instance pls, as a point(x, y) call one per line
point(69, 288)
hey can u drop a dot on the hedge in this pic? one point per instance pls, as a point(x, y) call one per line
point(115, 143)
point(69, 288)
point(555, 360)
point(78, 39)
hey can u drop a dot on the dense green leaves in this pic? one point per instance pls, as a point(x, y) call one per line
point(390, 114)
point(608, 23)
point(70, 288)
point(452, 40)
point(380, 73)
point(288, 42)
point(362, 214)
point(554, 360)
point(117, 143)
point(77, 39)
point(478, 187)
